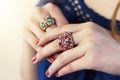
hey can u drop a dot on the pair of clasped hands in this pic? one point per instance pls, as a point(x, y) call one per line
point(95, 48)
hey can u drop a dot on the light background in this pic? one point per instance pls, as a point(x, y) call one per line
point(13, 13)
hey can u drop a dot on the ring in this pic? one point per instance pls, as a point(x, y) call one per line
point(47, 22)
point(66, 41)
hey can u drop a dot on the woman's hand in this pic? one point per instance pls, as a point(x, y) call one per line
point(96, 49)
point(32, 31)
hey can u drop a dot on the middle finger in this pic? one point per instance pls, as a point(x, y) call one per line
point(54, 47)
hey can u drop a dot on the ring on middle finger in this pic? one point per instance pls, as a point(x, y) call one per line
point(48, 21)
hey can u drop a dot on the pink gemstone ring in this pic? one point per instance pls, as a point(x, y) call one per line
point(66, 41)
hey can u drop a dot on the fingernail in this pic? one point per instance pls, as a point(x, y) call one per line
point(51, 59)
point(47, 74)
point(34, 59)
point(57, 75)
point(37, 42)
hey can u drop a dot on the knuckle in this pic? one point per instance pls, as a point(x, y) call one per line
point(63, 29)
point(44, 50)
point(50, 5)
point(43, 40)
point(88, 31)
point(41, 53)
point(56, 45)
point(71, 67)
point(90, 24)
point(61, 59)
point(91, 29)
point(45, 36)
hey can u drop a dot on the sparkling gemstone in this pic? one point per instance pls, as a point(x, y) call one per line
point(49, 20)
point(42, 24)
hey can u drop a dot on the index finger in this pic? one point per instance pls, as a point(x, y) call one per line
point(52, 35)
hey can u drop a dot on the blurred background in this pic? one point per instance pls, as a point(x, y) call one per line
point(13, 14)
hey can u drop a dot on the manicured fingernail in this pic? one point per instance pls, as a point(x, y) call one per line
point(47, 74)
point(57, 75)
point(51, 59)
point(34, 60)
point(36, 43)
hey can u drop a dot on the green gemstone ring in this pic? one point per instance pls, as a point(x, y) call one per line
point(47, 22)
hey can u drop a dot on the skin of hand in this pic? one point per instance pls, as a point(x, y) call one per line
point(96, 49)
point(32, 31)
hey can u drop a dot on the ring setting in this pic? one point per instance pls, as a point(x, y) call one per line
point(66, 41)
point(48, 21)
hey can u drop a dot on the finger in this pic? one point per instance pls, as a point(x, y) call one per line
point(65, 58)
point(51, 35)
point(48, 50)
point(42, 13)
point(33, 25)
point(79, 64)
point(30, 38)
point(53, 47)
point(56, 55)
point(56, 13)
point(52, 58)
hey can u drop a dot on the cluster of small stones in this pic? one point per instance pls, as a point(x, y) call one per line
point(47, 22)
point(66, 41)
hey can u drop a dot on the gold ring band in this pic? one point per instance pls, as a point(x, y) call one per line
point(48, 21)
